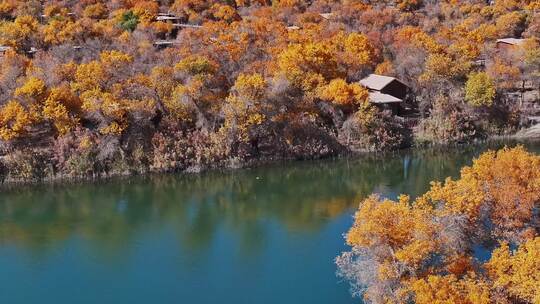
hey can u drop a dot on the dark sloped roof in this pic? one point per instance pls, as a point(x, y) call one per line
point(512, 41)
point(377, 82)
point(377, 97)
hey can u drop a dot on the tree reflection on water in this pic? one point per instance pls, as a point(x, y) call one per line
point(297, 197)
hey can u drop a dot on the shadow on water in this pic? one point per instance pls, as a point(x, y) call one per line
point(196, 216)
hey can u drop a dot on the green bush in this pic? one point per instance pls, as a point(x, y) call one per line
point(129, 21)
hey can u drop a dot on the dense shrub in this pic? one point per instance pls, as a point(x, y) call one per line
point(28, 165)
point(384, 132)
point(447, 123)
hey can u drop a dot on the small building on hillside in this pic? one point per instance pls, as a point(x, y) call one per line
point(31, 52)
point(326, 16)
point(184, 25)
point(168, 17)
point(509, 43)
point(161, 44)
point(293, 27)
point(386, 92)
point(4, 49)
point(177, 25)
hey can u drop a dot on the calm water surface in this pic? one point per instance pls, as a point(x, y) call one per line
point(265, 235)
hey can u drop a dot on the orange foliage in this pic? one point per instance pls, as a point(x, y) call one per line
point(517, 273)
point(61, 107)
point(16, 33)
point(413, 244)
point(14, 120)
point(339, 92)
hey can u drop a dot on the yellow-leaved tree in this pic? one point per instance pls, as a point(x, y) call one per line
point(427, 250)
point(516, 274)
point(62, 107)
point(308, 66)
point(14, 121)
point(341, 93)
point(244, 106)
point(101, 91)
point(17, 34)
point(480, 90)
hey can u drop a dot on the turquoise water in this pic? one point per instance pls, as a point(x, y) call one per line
point(265, 235)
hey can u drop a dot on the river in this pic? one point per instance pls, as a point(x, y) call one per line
point(263, 235)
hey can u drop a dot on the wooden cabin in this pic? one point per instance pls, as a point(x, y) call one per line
point(506, 44)
point(168, 18)
point(386, 92)
point(183, 25)
point(176, 23)
point(385, 85)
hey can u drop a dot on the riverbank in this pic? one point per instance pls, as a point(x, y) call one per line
point(37, 166)
point(38, 171)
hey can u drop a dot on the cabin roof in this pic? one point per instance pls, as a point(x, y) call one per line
point(326, 16)
point(183, 25)
point(380, 98)
point(166, 18)
point(293, 27)
point(512, 41)
point(377, 82)
point(165, 42)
